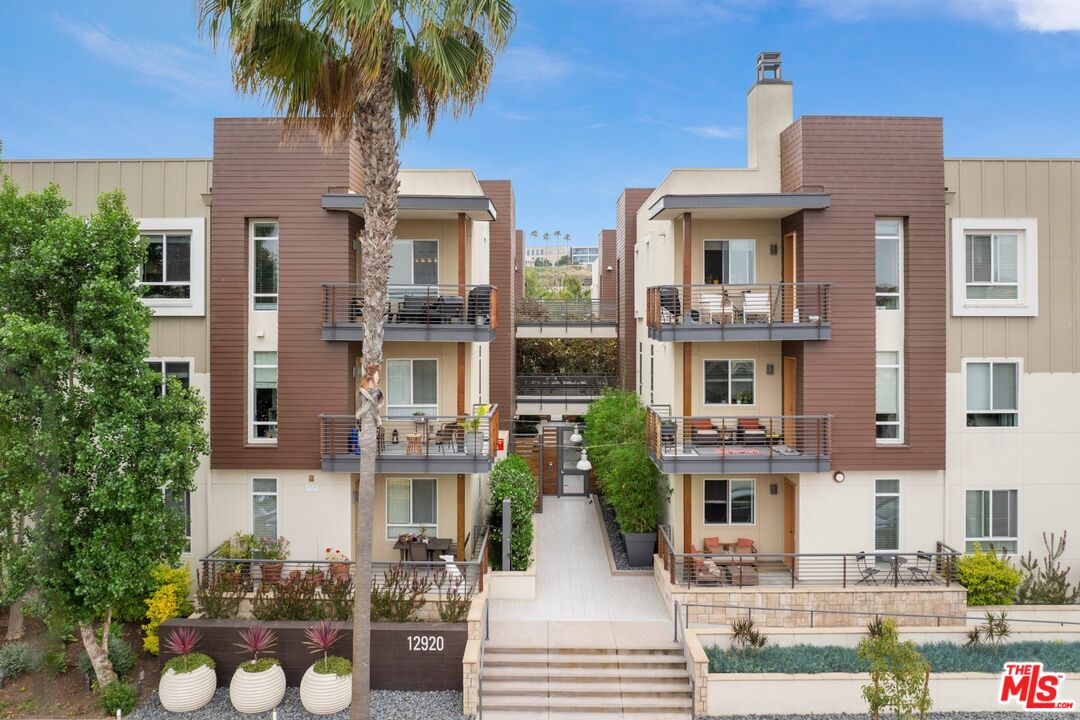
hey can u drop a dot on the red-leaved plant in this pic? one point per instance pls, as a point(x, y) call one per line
point(257, 639)
point(322, 637)
point(183, 640)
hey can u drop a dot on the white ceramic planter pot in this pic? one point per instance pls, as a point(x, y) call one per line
point(257, 692)
point(184, 692)
point(325, 694)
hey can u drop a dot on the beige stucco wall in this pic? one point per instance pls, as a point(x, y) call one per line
point(767, 530)
point(446, 232)
point(446, 508)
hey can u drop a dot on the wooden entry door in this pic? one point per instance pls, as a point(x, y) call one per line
point(791, 438)
point(789, 270)
point(790, 498)
point(549, 460)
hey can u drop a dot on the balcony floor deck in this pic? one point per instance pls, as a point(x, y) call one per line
point(747, 458)
point(394, 457)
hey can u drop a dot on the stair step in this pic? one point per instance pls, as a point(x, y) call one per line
point(544, 688)
point(588, 705)
point(587, 675)
point(557, 713)
point(673, 650)
point(604, 660)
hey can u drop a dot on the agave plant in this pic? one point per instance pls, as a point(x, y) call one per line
point(183, 640)
point(322, 637)
point(257, 639)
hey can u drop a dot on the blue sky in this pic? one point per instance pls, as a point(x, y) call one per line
point(591, 97)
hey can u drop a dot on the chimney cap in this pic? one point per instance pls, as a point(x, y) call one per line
point(768, 67)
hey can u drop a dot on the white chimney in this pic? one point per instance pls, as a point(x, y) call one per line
point(769, 111)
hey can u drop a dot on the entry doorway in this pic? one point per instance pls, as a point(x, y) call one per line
point(560, 458)
point(791, 498)
point(790, 277)
point(789, 388)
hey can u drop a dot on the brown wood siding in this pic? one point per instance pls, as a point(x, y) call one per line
point(626, 208)
point(501, 241)
point(519, 265)
point(609, 282)
point(255, 176)
point(873, 166)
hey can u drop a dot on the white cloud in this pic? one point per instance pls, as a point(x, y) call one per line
point(185, 72)
point(532, 65)
point(1037, 15)
point(714, 132)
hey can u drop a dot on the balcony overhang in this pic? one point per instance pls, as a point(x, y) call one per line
point(769, 462)
point(708, 332)
point(727, 206)
point(419, 207)
point(401, 332)
point(430, 464)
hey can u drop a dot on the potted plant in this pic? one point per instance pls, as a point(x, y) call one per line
point(238, 548)
point(258, 685)
point(339, 564)
point(314, 575)
point(420, 419)
point(327, 685)
point(273, 549)
point(188, 680)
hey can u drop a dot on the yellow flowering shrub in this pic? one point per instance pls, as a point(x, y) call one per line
point(169, 600)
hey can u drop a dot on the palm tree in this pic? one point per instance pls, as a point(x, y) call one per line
point(373, 69)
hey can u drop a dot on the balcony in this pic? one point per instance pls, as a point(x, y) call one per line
point(433, 313)
point(559, 394)
point(701, 313)
point(415, 444)
point(556, 318)
point(734, 444)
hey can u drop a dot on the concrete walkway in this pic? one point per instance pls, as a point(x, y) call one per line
point(573, 580)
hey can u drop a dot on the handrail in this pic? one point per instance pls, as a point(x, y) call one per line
point(801, 303)
point(565, 312)
point(426, 436)
point(563, 386)
point(412, 305)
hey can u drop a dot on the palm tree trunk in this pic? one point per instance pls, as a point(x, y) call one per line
point(377, 135)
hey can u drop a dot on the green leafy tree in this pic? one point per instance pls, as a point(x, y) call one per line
point(627, 477)
point(562, 261)
point(899, 675)
point(371, 69)
point(101, 448)
point(990, 579)
point(511, 478)
point(543, 356)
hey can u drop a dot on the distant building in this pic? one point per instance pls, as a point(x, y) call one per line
point(584, 255)
point(553, 253)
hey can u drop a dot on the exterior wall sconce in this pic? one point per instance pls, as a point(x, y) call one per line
point(773, 249)
point(394, 437)
point(770, 369)
point(838, 476)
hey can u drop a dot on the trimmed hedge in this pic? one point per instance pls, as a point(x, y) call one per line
point(944, 658)
point(511, 478)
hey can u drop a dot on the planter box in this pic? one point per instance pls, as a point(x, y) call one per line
point(639, 548)
point(404, 656)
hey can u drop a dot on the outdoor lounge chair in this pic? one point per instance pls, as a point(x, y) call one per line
point(702, 432)
point(751, 432)
point(704, 571)
point(756, 307)
point(866, 571)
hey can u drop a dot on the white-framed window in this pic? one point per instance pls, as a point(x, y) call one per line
point(264, 264)
point(887, 514)
point(412, 504)
point(888, 392)
point(729, 502)
point(412, 386)
point(414, 262)
point(264, 396)
point(995, 266)
point(178, 368)
point(173, 272)
point(888, 263)
point(729, 262)
point(729, 382)
point(180, 502)
point(993, 393)
point(991, 520)
point(264, 507)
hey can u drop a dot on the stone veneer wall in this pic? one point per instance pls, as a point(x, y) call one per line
point(949, 603)
point(470, 662)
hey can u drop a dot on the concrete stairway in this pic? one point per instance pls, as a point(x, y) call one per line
point(642, 683)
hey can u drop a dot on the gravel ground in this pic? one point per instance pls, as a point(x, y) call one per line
point(385, 705)
point(932, 716)
point(615, 539)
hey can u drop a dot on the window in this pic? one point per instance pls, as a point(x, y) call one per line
point(888, 397)
point(412, 386)
point(990, 520)
point(729, 502)
point(166, 271)
point(887, 515)
point(264, 251)
point(992, 393)
point(995, 266)
point(264, 507)
point(411, 505)
point(264, 385)
point(179, 369)
point(415, 262)
point(729, 382)
point(888, 235)
point(180, 502)
point(729, 262)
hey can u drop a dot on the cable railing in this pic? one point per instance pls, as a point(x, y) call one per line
point(416, 436)
point(428, 306)
point(563, 312)
point(558, 387)
point(740, 565)
point(737, 437)
point(738, 305)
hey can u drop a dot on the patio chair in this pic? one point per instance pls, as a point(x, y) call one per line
point(867, 572)
point(448, 309)
point(704, 571)
point(921, 570)
point(702, 432)
point(450, 436)
point(712, 544)
point(414, 309)
point(751, 432)
point(669, 302)
point(418, 552)
point(756, 307)
point(745, 546)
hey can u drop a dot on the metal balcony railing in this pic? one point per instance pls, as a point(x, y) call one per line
point(427, 306)
point(546, 311)
point(558, 387)
point(789, 304)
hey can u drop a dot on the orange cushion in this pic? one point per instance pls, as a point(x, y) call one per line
point(749, 423)
point(744, 543)
point(701, 424)
point(712, 541)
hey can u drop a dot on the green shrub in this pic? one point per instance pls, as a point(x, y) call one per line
point(170, 599)
point(990, 579)
point(899, 675)
point(1047, 583)
point(400, 595)
point(218, 600)
point(15, 660)
point(334, 665)
point(263, 663)
point(623, 472)
point(118, 696)
point(55, 661)
point(511, 478)
point(795, 659)
point(120, 654)
point(186, 663)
